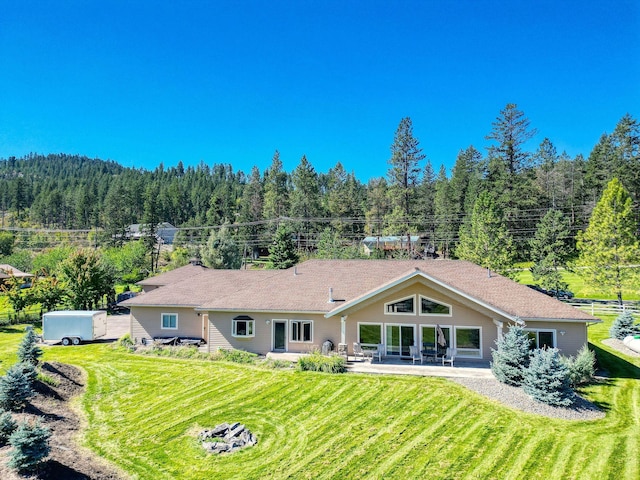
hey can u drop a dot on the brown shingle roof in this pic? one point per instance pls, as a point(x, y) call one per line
point(173, 276)
point(305, 288)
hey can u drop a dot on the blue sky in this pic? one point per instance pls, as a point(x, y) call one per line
point(230, 82)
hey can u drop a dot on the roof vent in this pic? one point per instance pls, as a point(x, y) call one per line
point(331, 300)
point(295, 270)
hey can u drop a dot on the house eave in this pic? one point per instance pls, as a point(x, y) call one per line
point(561, 320)
point(261, 310)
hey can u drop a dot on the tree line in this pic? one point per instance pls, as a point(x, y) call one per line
point(508, 181)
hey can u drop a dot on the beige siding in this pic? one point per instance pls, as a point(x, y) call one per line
point(461, 316)
point(574, 338)
point(220, 328)
point(146, 322)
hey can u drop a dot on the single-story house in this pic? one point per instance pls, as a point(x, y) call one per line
point(398, 303)
point(165, 232)
point(390, 243)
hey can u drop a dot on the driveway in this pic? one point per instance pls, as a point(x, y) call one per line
point(117, 325)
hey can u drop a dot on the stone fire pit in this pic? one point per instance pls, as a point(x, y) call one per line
point(226, 438)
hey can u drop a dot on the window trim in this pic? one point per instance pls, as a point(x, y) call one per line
point(380, 324)
point(413, 297)
point(537, 331)
point(301, 322)
point(460, 354)
point(420, 297)
point(162, 327)
point(435, 328)
point(249, 320)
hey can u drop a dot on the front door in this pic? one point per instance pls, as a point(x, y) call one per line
point(279, 335)
point(399, 338)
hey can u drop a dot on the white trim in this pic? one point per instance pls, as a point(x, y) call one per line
point(455, 341)
point(302, 321)
point(234, 323)
point(546, 330)
point(435, 327)
point(398, 300)
point(162, 327)
point(433, 300)
point(380, 324)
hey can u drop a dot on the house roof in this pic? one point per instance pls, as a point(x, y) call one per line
point(173, 276)
point(7, 271)
point(306, 288)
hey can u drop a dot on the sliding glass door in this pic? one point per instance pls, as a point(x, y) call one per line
point(399, 338)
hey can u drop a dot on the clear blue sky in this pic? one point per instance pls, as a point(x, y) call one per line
point(230, 82)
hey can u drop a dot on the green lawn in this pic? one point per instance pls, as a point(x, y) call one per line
point(143, 414)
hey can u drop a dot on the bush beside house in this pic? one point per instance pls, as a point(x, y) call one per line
point(546, 379)
point(511, 356)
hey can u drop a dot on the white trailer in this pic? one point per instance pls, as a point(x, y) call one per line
point(72, 327)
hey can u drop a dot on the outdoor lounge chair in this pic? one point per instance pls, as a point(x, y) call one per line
point(415, 353)
point(357, 351)
point(449, 356)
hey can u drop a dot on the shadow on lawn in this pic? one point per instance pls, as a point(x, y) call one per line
point(10, 329)
point(616, 366)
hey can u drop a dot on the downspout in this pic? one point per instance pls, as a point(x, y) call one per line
point(343, 329)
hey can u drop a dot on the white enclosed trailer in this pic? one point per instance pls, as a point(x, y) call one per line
point(72, 327)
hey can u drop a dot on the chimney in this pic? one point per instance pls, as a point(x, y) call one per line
point(331, 300)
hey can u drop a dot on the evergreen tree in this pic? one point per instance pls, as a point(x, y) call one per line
point(445, 214)
point(28, 350)
point(222, 251)
point(305, 198)
point(550, 250)
point(282, 253)
point(623, 326)
point(626, 144)
point(511, 356)
point(547, 378)
point(251, 207)
point(7, 426)
point(609, 246)
point(378, 205)
point(486, 241)
point(16, 387)
point(406, 156)
point(582, 368)
point(30, 446)
point(276, 195)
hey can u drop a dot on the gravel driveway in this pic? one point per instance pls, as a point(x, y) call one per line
point(117, 325)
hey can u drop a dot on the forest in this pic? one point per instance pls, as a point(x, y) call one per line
point(49, 199)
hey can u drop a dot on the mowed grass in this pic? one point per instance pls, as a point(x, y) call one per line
point(143, 414)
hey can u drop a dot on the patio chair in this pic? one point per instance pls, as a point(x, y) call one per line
point(357, 351)
point(449, 356)
point(415, 354)
point(379, 352)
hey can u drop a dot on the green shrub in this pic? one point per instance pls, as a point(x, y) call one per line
point(30, 446)
point(316, 362)
point(44, 378)
point(29, 351)
point(7, 426)
point(582, 367)
point(623, 326)
point(16, 386)
point(547, 378)
point(512, 356)
point(277, 364)
point(237, 356)
point(125, 341)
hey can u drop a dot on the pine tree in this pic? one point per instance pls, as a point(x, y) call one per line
point(582, 368)
point(486, 241)
point(550, 250)
point(7, 426)
point(623, 326)
point(282, 253)
point(30, 446)
point(445, 214)
point(16, 386)
point(222, 251)
point(276, 195)
point(29, 351)
point(609, 246)
point(511, 356)
point(406, 156)
point(547, 378)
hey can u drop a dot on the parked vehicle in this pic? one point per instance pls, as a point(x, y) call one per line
point(72, 327)
point(564, 294)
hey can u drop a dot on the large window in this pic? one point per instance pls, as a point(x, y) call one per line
point(431, 307)
point(404, 306)
point(301, 330)
point(468, 341)
point(369, 334)
point(243, 326)
point(542, 338)
point(430, 337)
point(169, 321)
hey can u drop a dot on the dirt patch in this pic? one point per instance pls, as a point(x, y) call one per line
point(67, 460)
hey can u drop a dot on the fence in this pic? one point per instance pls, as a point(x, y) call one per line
point(597, 308)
